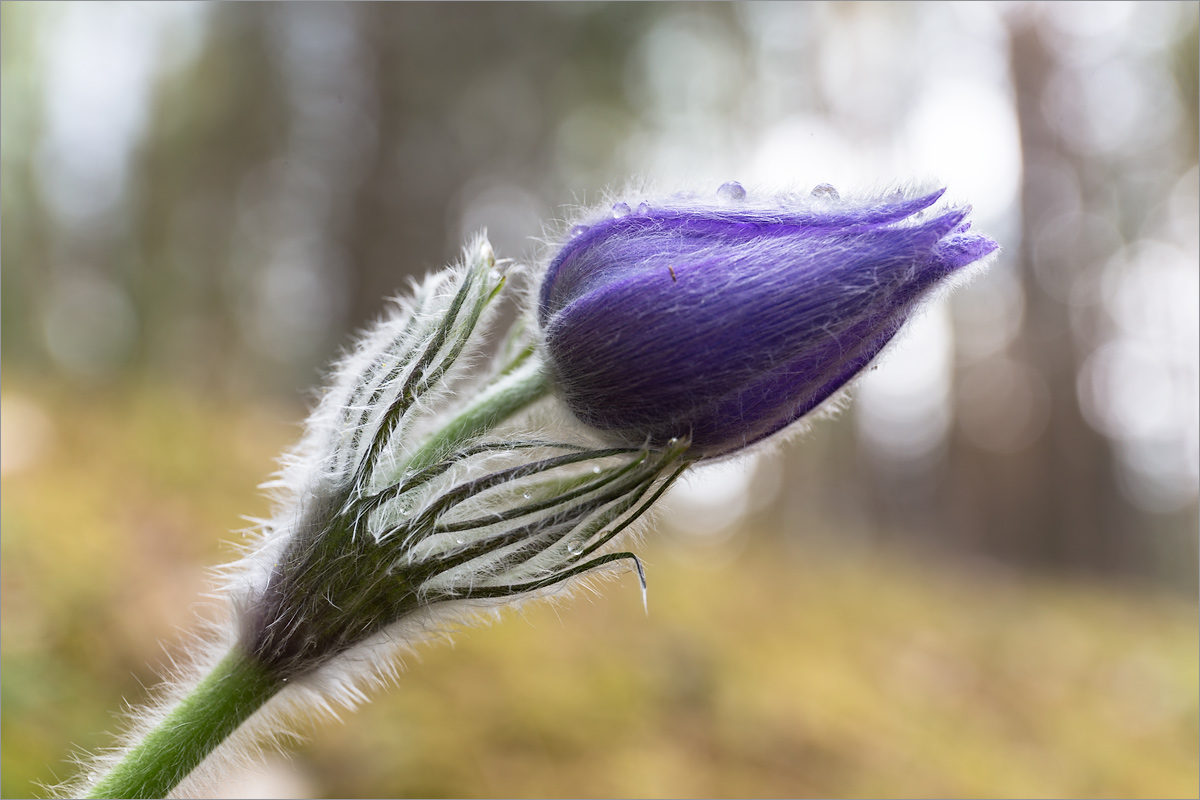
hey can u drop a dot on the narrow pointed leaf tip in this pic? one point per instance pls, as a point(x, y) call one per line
point(727, 318)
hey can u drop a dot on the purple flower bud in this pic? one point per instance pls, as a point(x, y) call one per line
point(728, 321)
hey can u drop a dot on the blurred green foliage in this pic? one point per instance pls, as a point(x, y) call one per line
point(784, 672)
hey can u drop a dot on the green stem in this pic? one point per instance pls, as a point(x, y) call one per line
point(512, 393)
point(235, 689)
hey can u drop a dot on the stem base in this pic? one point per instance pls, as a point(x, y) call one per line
point(223, 700)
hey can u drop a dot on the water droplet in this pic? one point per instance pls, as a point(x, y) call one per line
point(595, 470)
point(620, 210)
point(674, 440)
point(825, 190)
point(459, 540)
point(575, 547)
point(526, 495)
point(405, 509)
point(579, 229)
point(730, 192)
point(643, 209)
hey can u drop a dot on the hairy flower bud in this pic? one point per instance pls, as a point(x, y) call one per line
point(726, 321)
point(428, 486)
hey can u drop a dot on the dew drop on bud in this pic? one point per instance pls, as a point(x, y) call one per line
point(620, 210)
point(643, 209)
point(730, 192)
point(575, 547)
point(825, 190)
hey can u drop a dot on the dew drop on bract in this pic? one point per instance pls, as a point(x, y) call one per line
point(526, 495)
point(595, 470)
point(620, 210)
point(459, 540)
point(575, 547)
point(825, 190)
point(731, 191)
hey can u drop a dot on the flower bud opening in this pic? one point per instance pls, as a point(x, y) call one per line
point(726, 321)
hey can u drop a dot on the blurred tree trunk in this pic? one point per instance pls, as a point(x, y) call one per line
point(215, 123)
point(1054, 503)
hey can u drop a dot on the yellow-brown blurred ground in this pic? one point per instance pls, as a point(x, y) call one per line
point(789, 671)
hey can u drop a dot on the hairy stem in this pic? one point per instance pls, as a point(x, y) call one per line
point(234, 690)
point(240, 684)
point(515, 391)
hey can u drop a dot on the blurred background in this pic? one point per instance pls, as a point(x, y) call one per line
point(981, 580)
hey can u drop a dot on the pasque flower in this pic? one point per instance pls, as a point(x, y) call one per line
point(428, 487)
point(728, 320)
point(432, 483)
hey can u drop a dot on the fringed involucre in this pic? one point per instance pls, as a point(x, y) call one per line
point(411, 496)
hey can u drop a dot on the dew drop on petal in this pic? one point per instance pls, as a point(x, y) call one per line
point(620, 210)
point(825, 190)
point(730, 192)
point(643, 209)
point(575, 547)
